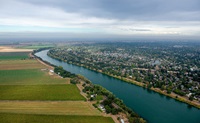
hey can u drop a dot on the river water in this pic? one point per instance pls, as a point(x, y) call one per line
point(154, 107)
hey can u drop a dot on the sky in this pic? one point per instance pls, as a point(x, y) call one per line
point(100, 19)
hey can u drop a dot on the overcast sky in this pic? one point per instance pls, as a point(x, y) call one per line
point(100, 18)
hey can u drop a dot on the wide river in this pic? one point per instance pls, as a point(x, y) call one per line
point(154, 107)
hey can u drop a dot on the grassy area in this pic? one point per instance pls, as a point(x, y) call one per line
point(40, 92)
point(28, 94)
point(36, 46)
point(30, 118)
point(20, 64)
point(49, 107)
point(13, 55)
point(99, 97)
point(28, 77)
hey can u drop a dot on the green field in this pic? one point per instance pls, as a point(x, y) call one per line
point(30, 118)
point(13, 55)
point(28, 77)
point(36, 46)
point(29, 94)
point(49, 107)
point(20, 64)
point(40, 92)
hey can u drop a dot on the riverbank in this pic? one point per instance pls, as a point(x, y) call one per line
point(141, 100)
point(114, 117)
point(172, 95)
point(51, 66)
point(164, 92)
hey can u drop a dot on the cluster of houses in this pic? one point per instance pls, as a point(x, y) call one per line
point(174, 70)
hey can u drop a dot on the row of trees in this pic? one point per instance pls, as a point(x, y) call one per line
point(112, 104)
point(60, 71)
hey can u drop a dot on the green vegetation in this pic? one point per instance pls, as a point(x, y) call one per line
point(29, 93)
point(13, 55)
point(179, 92)
point(60, 71)
point(49, 107)
point(20, 64)
point(40, 92)
point(27, 77)
point(99, 97)
point(75, 79)
point(172, 67)
point(30, 118)
point(36, 46)
point(111, 104)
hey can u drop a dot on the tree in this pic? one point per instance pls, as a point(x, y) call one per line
point(162, 87)
point(169, 90)
point(138, 79)
point(108, 109)
point(149, 86)
point(191, 98)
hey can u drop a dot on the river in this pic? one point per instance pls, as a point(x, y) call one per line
point(154, 107)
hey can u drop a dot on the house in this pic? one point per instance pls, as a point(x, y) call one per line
point(188, 95)
point(102, 107)
point(93, 95)
point(121, 120)
point(51, 71)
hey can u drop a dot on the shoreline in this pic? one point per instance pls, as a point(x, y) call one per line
point(177, 97)
point(157, 90)
point(172, 95)
point(78, 86)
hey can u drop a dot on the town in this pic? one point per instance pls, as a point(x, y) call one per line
point(171, 67)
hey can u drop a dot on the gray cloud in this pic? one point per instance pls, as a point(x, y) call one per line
point(140, 30)
point(182, 10)
point(104, 17)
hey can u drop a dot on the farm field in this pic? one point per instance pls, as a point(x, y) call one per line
point(13, 55)
point(40, 92)
point(28, 77)
point(49, 107)
point(20, 64)
point(30, 118)
point(29, 93)
point(11, 49)
point(36, 46)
